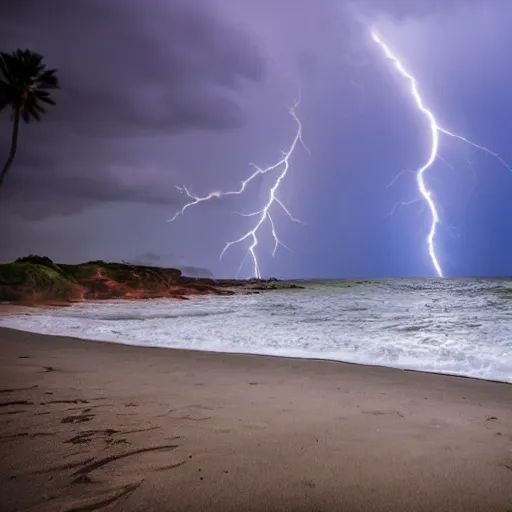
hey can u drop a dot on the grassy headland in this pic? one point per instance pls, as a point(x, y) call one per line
point(38, 279)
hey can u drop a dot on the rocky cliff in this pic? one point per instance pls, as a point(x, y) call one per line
point(37, 279)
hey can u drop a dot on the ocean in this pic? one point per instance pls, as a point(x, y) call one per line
point(453, 326)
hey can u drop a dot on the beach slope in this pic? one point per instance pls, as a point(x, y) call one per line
point(97, 426)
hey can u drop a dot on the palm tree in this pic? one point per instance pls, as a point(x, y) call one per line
point(24, 85)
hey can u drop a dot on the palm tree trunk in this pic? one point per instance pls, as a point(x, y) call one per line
point(14, 144)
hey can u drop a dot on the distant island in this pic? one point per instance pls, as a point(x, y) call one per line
point(34, 280)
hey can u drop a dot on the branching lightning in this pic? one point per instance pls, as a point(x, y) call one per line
point(281, 168)
point(435, 130)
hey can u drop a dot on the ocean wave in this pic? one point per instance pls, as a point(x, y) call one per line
point(120, 317)
point(460, 327)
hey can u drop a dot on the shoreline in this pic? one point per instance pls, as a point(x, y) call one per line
point(86, 423)
point(252, 354)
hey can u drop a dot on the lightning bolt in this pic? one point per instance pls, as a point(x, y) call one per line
point(263, 216)
point(436, 130)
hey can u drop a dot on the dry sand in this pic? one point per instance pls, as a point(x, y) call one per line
point(96, 426)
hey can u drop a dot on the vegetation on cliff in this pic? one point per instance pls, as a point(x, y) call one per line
point(38, 279)
point(32, 282)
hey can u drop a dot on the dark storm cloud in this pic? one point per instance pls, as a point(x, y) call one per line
point(128, 70)
point(127, 67)
point(35, 191)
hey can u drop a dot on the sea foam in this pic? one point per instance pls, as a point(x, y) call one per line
point(461, 327)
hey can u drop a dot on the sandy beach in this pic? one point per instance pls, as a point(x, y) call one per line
point(98, 426)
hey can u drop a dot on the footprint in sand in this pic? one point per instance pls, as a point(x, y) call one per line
point(381, 413)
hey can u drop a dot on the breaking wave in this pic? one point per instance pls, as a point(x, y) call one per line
point(461, 327)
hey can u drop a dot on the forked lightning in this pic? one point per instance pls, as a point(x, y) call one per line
point(263, 216)
point(435, 130)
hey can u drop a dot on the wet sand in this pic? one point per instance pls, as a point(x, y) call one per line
point(97, 426)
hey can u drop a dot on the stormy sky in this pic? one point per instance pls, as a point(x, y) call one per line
point(165, 93)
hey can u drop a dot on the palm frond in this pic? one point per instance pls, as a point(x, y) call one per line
point(24, 82)
point(32, 112)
